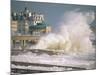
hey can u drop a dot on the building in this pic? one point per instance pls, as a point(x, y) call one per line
point(26, 26)
point(14, 26)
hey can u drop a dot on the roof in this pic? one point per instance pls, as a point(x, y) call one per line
point(38, 26)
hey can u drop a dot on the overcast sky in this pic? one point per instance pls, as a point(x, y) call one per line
point(52, 11)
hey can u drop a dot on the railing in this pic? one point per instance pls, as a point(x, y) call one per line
point(23, 40)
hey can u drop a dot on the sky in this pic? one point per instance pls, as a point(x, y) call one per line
point(52, 12)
